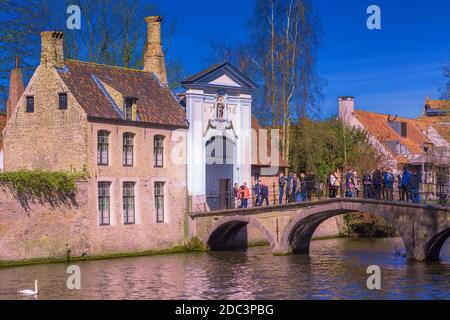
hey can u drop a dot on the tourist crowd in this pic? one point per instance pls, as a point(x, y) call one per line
point(378, 184)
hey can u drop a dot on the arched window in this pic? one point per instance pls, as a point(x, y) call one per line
point(102, 147)
point(128, 149)
point(158, 151)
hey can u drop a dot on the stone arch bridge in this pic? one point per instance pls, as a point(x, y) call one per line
point(289, 228)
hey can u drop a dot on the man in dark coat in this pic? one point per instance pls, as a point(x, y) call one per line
point(289, 183)
point(258, 186)
point(367, 185)
point(309, 185)
point(377, 180)
point(281, 186)
point(264, 194)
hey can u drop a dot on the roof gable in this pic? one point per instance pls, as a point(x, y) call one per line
point(220, 75)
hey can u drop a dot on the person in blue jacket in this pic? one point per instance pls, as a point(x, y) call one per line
point(414, 183)
point(405, 184)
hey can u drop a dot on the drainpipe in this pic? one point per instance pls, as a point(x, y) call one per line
point(188, 204)
point(423, 170)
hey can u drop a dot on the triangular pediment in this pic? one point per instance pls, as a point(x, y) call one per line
point(225, 80)
point(221, 75)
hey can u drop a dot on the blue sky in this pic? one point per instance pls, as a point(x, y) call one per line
point(389, 70)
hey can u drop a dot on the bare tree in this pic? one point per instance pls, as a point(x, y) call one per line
point(286, 39)
point(112, 32)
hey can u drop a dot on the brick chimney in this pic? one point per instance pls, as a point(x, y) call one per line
point(52, 49)
point(346, 108)
point(16, 89)
point(153, 55)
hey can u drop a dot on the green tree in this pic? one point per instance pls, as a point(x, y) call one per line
point(319, 146)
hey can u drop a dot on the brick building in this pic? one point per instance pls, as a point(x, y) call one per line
point(421, 144)
point(118, 124)
point(138, 143)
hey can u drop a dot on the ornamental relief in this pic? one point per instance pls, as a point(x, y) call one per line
point(220, 115)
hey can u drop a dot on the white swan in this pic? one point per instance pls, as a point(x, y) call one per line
point(31, 292)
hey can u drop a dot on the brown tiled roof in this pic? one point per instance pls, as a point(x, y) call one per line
point(255, 148)
point(377, 125)
point(437, 104)
point(2, 126)
point(155, 105)
point(441, 124)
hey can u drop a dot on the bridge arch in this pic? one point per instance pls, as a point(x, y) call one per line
point(226, 233)
point(433, 246)
point(423, 228)
point(297, 234)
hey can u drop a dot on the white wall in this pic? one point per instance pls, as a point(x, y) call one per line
point(198, 112)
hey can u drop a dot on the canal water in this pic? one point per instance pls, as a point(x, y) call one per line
point(335, 269)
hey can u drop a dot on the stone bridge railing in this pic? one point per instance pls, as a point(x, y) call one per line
point(289, 227)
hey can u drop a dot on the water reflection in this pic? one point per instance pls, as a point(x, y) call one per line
point(335, 269)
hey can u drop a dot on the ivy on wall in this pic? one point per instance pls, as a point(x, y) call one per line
point(53, 187)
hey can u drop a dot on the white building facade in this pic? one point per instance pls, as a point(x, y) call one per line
point(218, 105)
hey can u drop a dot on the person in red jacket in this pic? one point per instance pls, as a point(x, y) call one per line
point(245, 195)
